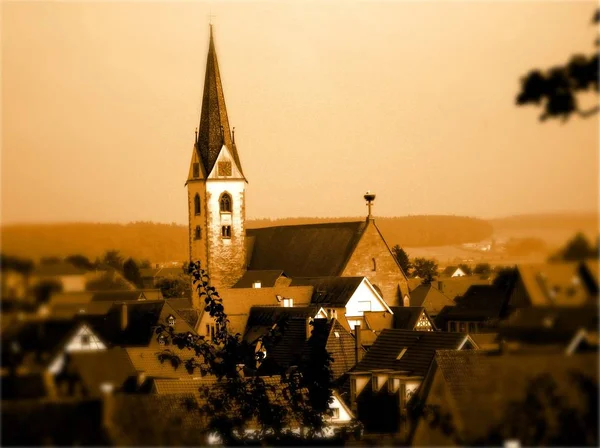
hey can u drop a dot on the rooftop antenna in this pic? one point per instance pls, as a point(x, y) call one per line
point(370, 198)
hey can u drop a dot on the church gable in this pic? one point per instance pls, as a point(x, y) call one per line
point(373, 259)
point(225, 166)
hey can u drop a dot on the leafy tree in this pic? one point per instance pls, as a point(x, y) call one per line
point(108, 281)
point(556, 88)
point(302, 397)
point(44, 289)
point(21, 265)
point(132, 273)
point(425, 269)
point(175, 286)
point(466, 268)
point(403, 259)
point(482, 269)
point(80, 261)
point(113, 259)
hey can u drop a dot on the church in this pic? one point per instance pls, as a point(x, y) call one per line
point(218, 238)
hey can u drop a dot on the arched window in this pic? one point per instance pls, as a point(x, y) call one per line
point(197, 233)
point(374, 265)
point(197, 204)
point(225, 202)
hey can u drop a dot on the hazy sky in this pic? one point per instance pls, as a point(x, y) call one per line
point(413, 100)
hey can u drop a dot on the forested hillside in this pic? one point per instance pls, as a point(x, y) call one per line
point(166, 242)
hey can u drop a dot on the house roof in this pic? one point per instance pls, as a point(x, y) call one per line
point(449, 271)
point(262, 318)
point(549, 324)
point(98, 367)
point(420, 350)
point(406, 317)
point(126, 295)
point(146, 360)
point(553, 284)
point(482, 385)
point(341, 346)
point(310, 250)
point(57, 270)
point(267, 278)
point(430, 298)
point(333, 291)
point(453, 287)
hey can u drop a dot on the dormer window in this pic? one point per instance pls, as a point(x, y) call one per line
point(161, 340)
point(225, 203)
point(401, 354)
point(171, 320)
point(257, 284)
point(196, 170)
point(224, 168)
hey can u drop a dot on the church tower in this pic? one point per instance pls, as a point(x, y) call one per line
point(216, 187)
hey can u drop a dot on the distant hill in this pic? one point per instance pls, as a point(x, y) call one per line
point(169, 242)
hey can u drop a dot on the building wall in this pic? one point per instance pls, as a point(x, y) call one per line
point(385, 273)
point(362, 297)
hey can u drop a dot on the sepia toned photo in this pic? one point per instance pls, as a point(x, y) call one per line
point(307, 223)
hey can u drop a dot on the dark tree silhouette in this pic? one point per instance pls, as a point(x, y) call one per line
point(556, 89)
point(482, 269)
point(113, 259)
point(132, 273)
point(80, 261)
point(425, 269)
point(466, 268)
point(577, 249)
point(44, 289)
point(175, 286)
point(403, 259)
point(235, 400)
point(21, 265)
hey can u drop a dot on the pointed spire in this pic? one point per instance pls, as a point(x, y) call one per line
point(213, 131)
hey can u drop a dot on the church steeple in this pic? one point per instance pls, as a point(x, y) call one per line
point(214, 131)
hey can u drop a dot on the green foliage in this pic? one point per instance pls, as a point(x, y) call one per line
point(466, 268)
point(108, 281)
point(16, 264)
point(425, 269)
point(557, 88)
point(482, 269)
point(403, 259)
point(113, 259)
point(80, 261)
point(235, 400)
point(175, 286)
point(132, 273)
point(44, 289)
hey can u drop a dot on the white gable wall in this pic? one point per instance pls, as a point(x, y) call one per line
point(365, 298)
point(84, 340)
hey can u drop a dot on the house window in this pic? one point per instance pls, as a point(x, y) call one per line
point(85, 340)
point(462, 327)
point(171, 321)
point(401, 354)
point(226, 231)
point(225, 168)
point(335, 413)
point(212, 331)
point(288, 303)
point(196, 168)
point(225, 203)
point(197, 233)
point(161, 340)
point(256, 284)
point(197, 204)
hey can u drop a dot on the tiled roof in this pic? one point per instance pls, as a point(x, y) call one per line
point(267, 279)
point(213, 131)
point(485, 341)
point(313, 250)
point(332, 291)
point(430, 298)
point(99, 367)
point(146, 359)
point(549, 324)
point(190, 315)
point(126, 295)
point(449, 271)
point(482, 385)
point(406, 317)
point(453, 287)
point(262, 318)
point(379, 320)
point(553, 284)
point(420, 350)
point(340, 344)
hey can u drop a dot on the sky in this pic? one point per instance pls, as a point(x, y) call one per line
point(412, 100)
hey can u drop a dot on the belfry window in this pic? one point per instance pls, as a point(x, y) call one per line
point(196, 169)
point(197, 233)
point(197, 204)
point(225, 203)
point(226, 231)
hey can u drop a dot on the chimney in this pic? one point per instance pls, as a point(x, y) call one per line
point(357, 343)
point(124, 317)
